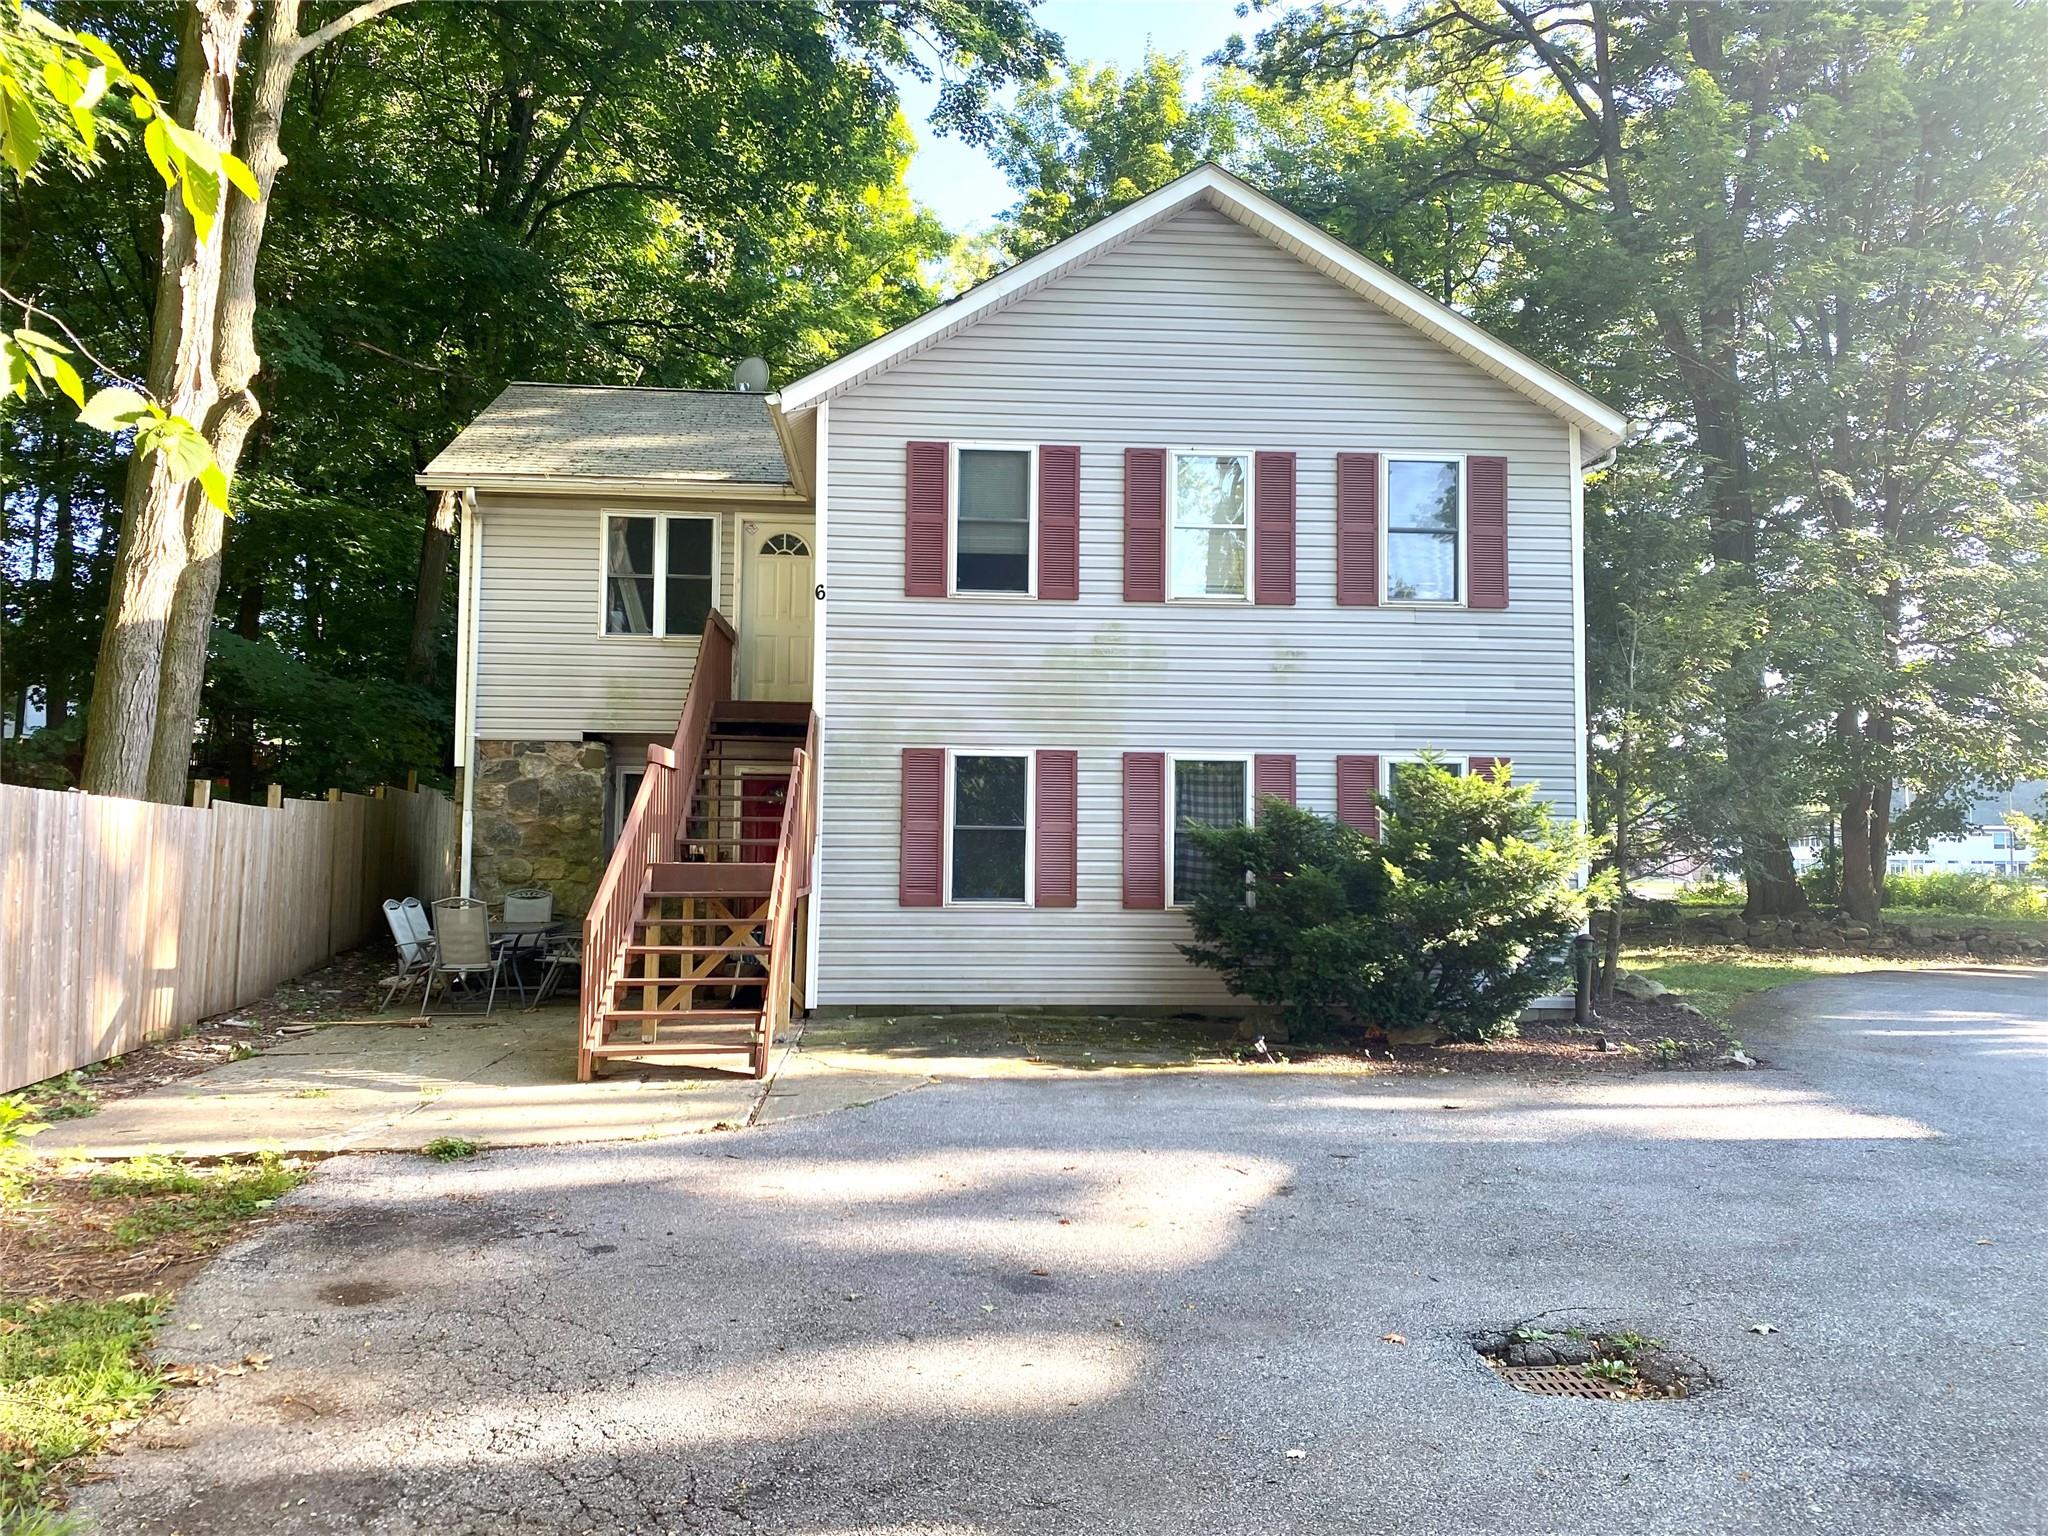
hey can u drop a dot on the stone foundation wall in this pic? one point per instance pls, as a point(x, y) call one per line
point(540, 819)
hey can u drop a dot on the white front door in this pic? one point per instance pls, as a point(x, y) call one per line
point(776, 605)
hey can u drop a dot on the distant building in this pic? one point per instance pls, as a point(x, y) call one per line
point(1987, 847)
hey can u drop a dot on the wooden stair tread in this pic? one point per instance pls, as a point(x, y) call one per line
point(692, 949)
point(674, 1048)
point(687, 1014)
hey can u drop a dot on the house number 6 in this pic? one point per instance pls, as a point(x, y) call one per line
point(821, 592)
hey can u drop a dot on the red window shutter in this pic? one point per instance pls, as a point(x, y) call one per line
point(1272, 774)
point(1145, 829)
point(924, 520)
point(1358, 530)
point(919, 882)
point(1358, 780)
point(1273, 533)
point(1486, 532)
point(1059, 524)
point(1054, 839)
point(1484, 766)
point(1145, 528)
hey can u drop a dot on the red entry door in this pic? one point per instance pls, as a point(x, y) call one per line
point(762, 796)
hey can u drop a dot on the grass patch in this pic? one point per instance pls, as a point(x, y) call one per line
point(1715, 979)
point(70, 1376)
point(173, 1197)
point(450, 1149)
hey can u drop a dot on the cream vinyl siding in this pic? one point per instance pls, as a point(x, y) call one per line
point(544, 669)
point(1196, 332)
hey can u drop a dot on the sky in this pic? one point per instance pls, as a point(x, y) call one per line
point(962, 185)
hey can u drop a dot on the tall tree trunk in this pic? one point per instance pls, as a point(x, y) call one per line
point(1880, 840)
point(1859, 891)
point(121, 725)
point(437, 540)
point(235, 363)
point(63, 597)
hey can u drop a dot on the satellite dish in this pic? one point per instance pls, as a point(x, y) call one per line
point(750, 377)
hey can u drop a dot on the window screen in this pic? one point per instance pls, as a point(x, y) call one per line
point(991, 803)
point(691, 551)
point(1422, 530)
point(1211, 518)
point(994, 533)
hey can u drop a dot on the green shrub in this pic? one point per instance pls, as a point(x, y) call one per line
point(1457, 918)
point(1975, 895)
point(1711, 892)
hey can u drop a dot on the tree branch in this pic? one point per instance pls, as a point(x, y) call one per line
point(347, 21)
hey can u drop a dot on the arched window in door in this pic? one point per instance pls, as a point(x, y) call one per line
point(784, 544)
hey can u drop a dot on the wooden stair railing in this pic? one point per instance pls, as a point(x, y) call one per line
point(787, 918)
point(649, 836)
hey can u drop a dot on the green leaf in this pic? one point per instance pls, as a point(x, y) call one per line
point(201, 192)
point(192, 148)
point(57, 79)
point(68, 381)
point(21, 136)
point(214, 483)
point(114, 408)
point(159, 146)
point(243, 178)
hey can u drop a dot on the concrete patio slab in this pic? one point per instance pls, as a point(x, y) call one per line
point(508, 1080)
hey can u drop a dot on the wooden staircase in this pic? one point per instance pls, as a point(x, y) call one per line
point(694, 944)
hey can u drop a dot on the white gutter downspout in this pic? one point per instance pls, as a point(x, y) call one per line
point(820, 531)
point(470, 580)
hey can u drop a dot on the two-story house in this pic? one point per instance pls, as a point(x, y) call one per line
point(1196, 506)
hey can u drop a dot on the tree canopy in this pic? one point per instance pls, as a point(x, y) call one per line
point(1806, 247)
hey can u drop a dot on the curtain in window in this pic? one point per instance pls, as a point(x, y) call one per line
point(1211, 794)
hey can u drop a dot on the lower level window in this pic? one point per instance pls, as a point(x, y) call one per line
point(1210, 792)
point(990, 802)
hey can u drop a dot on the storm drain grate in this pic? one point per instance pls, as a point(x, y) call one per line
point(1558, 1381)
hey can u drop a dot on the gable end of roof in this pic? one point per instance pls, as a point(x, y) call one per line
point(1601, 426)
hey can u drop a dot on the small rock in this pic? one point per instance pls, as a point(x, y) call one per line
point(1641, 988)
point(1570, 1351)
point(1492, 1343)
point(1532, 1353)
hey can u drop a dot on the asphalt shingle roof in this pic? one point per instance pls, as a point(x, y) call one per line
point(611, 433)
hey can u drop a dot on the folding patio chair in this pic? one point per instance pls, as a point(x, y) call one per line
point(463, 947)
point(413, 954)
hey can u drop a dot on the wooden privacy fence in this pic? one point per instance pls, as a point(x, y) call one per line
point(123, 922)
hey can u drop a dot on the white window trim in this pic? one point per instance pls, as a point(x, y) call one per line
point(1418, 456)
point(662, 520)
point(1251, 514)
point(1030, 758)
point(953, 587)
point(1173, 762)
point(620, 804)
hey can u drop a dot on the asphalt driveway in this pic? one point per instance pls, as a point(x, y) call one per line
point(1071, 1304)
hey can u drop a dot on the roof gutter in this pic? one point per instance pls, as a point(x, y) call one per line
point(598, 485)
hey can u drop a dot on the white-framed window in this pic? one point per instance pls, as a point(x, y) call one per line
point(1422, 535)
point(1391, 765)
point(1209, 525)
point(989, 827)
point(659, 573)
point(1212, 789)
point(993, 532)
